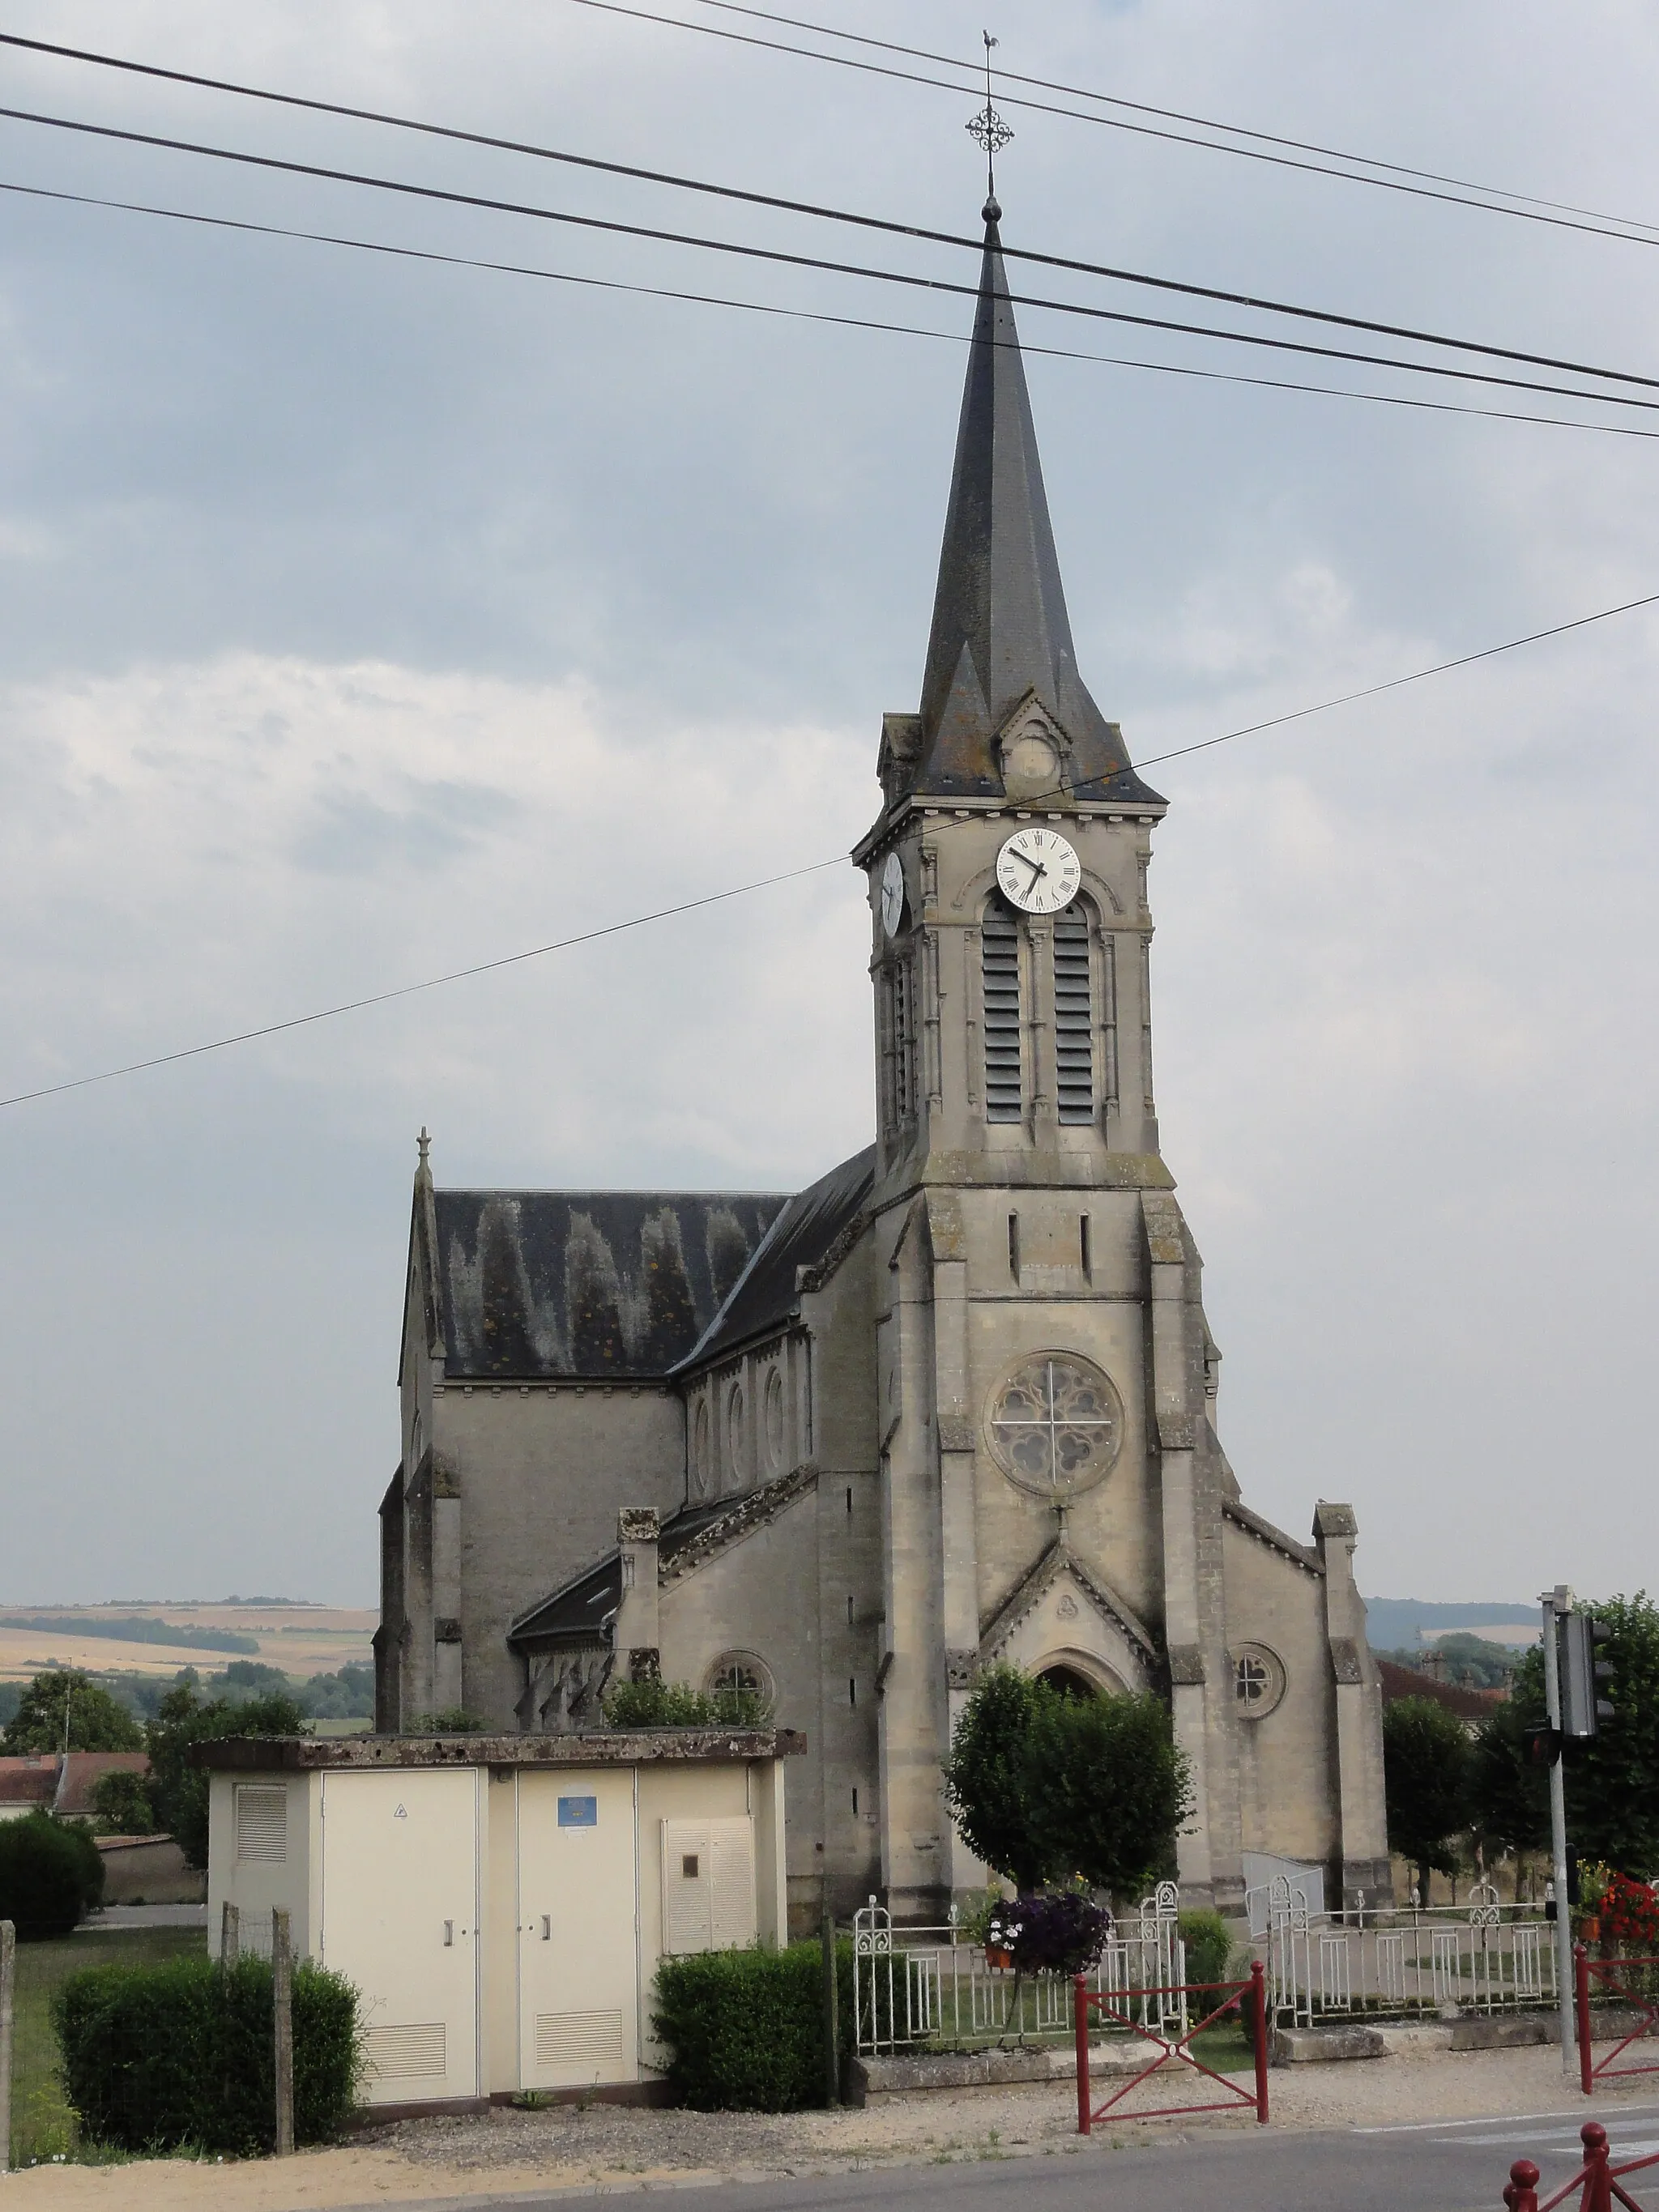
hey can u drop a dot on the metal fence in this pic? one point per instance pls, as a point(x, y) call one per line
point(930, 1987)
point(1482, 1957)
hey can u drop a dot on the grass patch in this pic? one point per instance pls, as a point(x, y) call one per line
point(43, 2126)
point(1226, 2048)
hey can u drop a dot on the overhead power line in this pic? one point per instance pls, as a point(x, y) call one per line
point(822, 315)
point(766, 883)
point(447, 196)
point(1181, 115)
point(1220, 295)
point(1632, 236)
point(430, 983)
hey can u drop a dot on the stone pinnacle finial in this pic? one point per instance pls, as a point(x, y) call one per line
point(424, 1144)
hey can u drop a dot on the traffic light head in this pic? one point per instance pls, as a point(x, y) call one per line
point(1583, 1707)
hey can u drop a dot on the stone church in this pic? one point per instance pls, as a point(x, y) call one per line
point(955, 1403)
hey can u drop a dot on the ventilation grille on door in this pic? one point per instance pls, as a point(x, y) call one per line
point(262, 1824)
point(708, 1885)
point(578, 2038)
point(399, 2052)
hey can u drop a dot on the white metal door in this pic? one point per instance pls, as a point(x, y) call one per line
point(400, 1919)
point(578, 1976)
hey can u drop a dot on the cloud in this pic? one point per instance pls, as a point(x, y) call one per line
point(364, 620)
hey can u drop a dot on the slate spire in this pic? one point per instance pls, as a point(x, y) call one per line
point(1000, 629)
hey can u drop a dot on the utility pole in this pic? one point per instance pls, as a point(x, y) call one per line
point(1557, 1603)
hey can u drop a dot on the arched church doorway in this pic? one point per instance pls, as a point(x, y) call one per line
point(1069, 1682)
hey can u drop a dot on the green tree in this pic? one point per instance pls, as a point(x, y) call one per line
point(122, 1801)
point(96, 1722)
point(1613, 1781)
point(1109, 1788)
point(1047, 1788)
point(1425, 1766)
point(179, 1786)
point(1508, 1802)
point(988, 1777)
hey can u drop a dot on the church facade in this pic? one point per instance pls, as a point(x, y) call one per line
point(954, 1404)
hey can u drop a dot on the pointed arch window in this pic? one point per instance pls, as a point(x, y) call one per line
point(1074, 1016)
point(999, 979)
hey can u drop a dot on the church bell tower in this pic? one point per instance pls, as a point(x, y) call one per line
point(1011, 930)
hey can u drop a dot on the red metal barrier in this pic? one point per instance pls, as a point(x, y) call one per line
point(1238, 1995)
point(1607, 1972)
point(1597, 2181)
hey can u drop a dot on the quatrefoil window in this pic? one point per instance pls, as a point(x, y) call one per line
point(1056, 1425)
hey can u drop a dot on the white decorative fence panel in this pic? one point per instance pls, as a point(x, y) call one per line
point(1483, 1957)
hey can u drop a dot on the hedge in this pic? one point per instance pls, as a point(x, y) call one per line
point(51, 1873)
point(746, 2028)
point(1209, 1946)
point(179, 2054)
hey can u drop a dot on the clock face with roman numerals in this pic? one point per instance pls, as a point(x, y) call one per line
point(1039, 871)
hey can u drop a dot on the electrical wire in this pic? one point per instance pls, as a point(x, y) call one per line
point(1179, 115)
point(1423, 192)
point(788, 875)
point(821, 315)
point(430, 983)
point(405, 188)
point(1220, 295)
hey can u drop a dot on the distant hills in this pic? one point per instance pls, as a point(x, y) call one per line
point(1394, 1624)
point(133, 1628)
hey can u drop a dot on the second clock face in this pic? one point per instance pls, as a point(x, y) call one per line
point(892, 894)
point(1039, 871)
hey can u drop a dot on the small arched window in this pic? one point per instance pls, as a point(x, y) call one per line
point(1000, 978)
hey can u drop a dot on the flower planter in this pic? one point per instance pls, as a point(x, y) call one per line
point(995, 1957)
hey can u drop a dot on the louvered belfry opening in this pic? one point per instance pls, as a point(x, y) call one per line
point(999, 956)
point(904, 1044)
point(1074, 1052)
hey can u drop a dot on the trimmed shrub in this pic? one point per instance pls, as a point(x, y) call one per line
point(746, 2028)
point(657, 1704)
point(179, 2054)
point(1209, 1946)
point(51, 1871)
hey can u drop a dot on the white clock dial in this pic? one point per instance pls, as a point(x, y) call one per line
point(1039, 871)
point(892, 894)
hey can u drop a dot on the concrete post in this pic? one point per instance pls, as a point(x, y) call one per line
point(281, 1993)
point(7, 1981)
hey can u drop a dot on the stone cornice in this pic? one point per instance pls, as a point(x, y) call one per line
point(1059, 1559)
point(1275, 1539)
point(747, 1514)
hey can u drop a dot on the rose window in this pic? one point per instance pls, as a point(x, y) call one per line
point(1258, 1681)
point(1055, 1426)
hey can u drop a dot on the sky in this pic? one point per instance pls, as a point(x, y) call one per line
point(363, 618)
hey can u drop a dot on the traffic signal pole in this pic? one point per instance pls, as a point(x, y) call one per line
point(1555, 1603)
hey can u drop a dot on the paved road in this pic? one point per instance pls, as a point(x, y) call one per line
point(1442, 2166)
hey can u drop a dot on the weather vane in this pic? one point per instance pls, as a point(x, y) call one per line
point(989, 130)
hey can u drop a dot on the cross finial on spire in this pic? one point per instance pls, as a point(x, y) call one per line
point(988, 129)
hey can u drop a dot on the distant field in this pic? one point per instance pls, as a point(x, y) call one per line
point(300, 1639)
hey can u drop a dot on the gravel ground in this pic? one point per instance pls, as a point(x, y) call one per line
point(568, 2147)
point(617, 2140)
